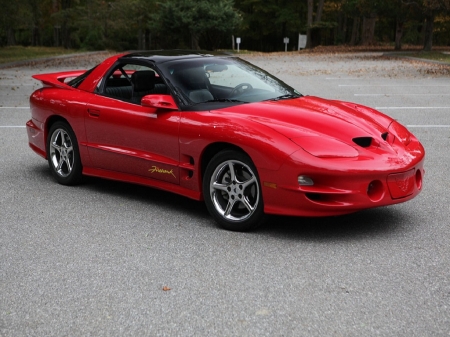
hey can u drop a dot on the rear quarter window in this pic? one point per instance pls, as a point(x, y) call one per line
point(78, 80)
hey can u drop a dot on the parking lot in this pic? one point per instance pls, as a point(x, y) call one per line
point(111, 259)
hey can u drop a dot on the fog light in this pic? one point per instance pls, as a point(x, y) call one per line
point(375, 190)
point(419, 179)
point(305, 181)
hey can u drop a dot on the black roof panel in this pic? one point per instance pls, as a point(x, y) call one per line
point(160, 56)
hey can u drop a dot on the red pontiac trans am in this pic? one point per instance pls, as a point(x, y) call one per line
point(219, 129)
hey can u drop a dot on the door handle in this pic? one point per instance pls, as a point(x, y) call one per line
point(94, 112)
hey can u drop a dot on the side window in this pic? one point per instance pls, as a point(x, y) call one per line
point(131, 82)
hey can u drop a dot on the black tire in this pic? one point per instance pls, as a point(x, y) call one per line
point(232, 191)
point(63, 154)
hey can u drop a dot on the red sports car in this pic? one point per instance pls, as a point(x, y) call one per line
point(219, 129)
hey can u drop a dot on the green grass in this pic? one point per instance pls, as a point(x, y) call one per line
point(19, 53)
point(432, 55)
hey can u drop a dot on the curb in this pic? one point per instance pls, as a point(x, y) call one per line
point(393, 54)
point(45, 59)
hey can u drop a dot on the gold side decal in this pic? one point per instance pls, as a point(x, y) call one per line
point(271, 185)
point(156, 169)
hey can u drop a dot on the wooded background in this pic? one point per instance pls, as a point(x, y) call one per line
point(211, 24)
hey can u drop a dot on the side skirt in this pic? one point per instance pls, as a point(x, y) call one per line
point(142, 181)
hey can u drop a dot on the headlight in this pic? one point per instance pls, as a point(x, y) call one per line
point(400, 132)
point(324, 147)
point(305, 181)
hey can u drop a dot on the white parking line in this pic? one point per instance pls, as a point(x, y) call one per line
point(12, 126)
point(368, 95)
point(344, 78)
point(428, 126)
point(411, 107)
point(392, 85)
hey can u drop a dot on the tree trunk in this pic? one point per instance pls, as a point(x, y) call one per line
point(65, 34)
point(141, 40)
point(194, 42)
point(65, 25)
point(11, 37)
point(35, 36)
point(355, 31)
point(341, 29)
point(398, 35)
point(56, 35)
point(319, 11)
point(368, 30)
point(309, 24)
point(429, 25)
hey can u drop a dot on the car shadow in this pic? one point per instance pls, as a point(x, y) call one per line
point(144, 194)
point(376, 222)
point(384, 221)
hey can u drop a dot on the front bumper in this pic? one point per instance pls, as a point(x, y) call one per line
point(344, 185)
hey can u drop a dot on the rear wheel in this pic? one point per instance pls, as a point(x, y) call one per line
point(63, 154)
point(232, 191)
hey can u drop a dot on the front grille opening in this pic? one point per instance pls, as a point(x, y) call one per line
point(314, 196)
point(323, 198)
point(363, 141)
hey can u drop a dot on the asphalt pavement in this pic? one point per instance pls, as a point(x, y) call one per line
point(112, 259)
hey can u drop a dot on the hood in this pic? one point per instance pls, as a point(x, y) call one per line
point(312, 116)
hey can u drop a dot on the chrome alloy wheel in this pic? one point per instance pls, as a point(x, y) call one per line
point(61, 152)
point(234, 190)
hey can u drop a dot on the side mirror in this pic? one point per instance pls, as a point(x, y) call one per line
point(165, 102)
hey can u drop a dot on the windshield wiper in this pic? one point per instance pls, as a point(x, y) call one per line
point(225, 100)
point(284, 97)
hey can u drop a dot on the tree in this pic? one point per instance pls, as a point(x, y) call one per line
point(430, 9)
point(399, 12)
point(131, 18)
point(312, 22)
point(14, 16)
point(262, 24)
point(266, 22)
point(309, 23)
point(204, 20)
point(369, 12)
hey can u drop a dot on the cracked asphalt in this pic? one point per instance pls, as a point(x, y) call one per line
point(112, 259)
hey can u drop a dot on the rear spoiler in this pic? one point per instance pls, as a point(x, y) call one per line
point(58, 80)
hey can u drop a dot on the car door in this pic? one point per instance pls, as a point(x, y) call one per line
point(125, 137)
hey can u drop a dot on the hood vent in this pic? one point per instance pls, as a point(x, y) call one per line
point(385, 135)
point(363, 141)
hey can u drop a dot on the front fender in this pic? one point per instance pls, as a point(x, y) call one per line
point(267, 148)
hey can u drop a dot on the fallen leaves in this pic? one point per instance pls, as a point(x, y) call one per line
point(166, 288)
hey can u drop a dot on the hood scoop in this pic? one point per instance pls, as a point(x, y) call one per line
point(363, 141)
point(369, 141)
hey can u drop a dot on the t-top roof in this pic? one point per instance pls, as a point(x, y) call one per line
point(160, 56)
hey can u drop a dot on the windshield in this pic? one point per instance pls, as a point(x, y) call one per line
point(233, 80)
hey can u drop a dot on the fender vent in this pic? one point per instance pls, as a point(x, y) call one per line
point(363, 141)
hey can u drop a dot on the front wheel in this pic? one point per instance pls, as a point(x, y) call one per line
point(63, 154)
point(232, 191)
